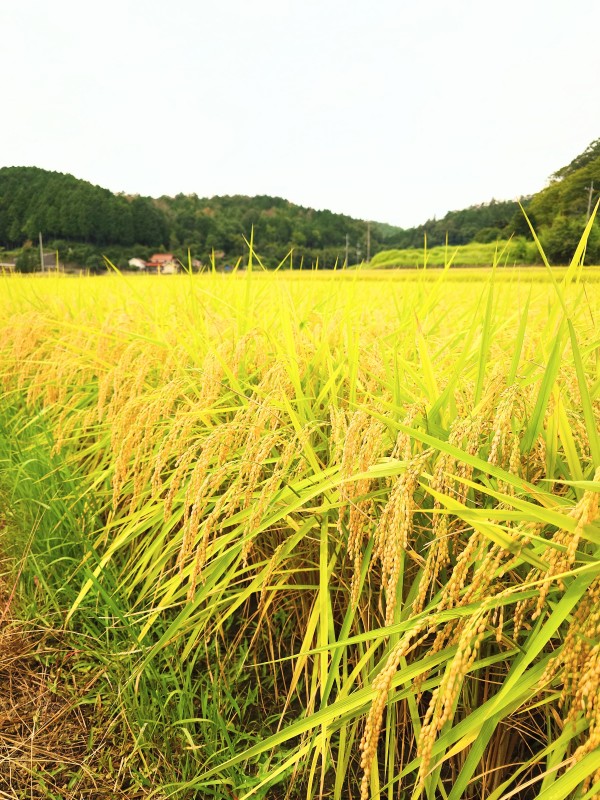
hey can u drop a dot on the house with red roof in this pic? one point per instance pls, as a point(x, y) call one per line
point(163, 264)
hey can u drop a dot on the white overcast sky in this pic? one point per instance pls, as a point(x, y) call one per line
point(391, 110)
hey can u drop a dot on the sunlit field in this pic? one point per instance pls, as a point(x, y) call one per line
point(317, 534)
point(509, 253)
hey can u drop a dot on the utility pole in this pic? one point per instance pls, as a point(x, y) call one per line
point(41, 253)
point(591, 188)
point(347, 248)
point(368, 242)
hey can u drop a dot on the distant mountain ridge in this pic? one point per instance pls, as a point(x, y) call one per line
point(81, 221)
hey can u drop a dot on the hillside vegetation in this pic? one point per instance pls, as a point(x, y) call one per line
point(85, 222)
point(558, 213)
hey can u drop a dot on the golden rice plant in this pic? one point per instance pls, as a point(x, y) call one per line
point(377, 493)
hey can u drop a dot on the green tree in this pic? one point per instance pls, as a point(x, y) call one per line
point(28, 259)
point(486, 235)
point(560, 240)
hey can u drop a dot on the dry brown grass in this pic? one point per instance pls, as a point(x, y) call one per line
point(53, 743)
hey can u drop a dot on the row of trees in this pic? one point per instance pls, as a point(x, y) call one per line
point(486, 222)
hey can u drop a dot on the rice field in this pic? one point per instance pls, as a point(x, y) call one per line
point(475, 254)
point(300, 535)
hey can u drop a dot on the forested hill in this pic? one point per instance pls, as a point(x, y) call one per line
point(222, 223)
point(558, 213)
point(572, 190)
point(60, 206)
point(83, 222)
point(486, 222)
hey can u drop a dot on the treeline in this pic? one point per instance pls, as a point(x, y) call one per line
point(221, 224)
point(560, 211)
point(558, 214)
point(84, 222)
point(487, 222)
